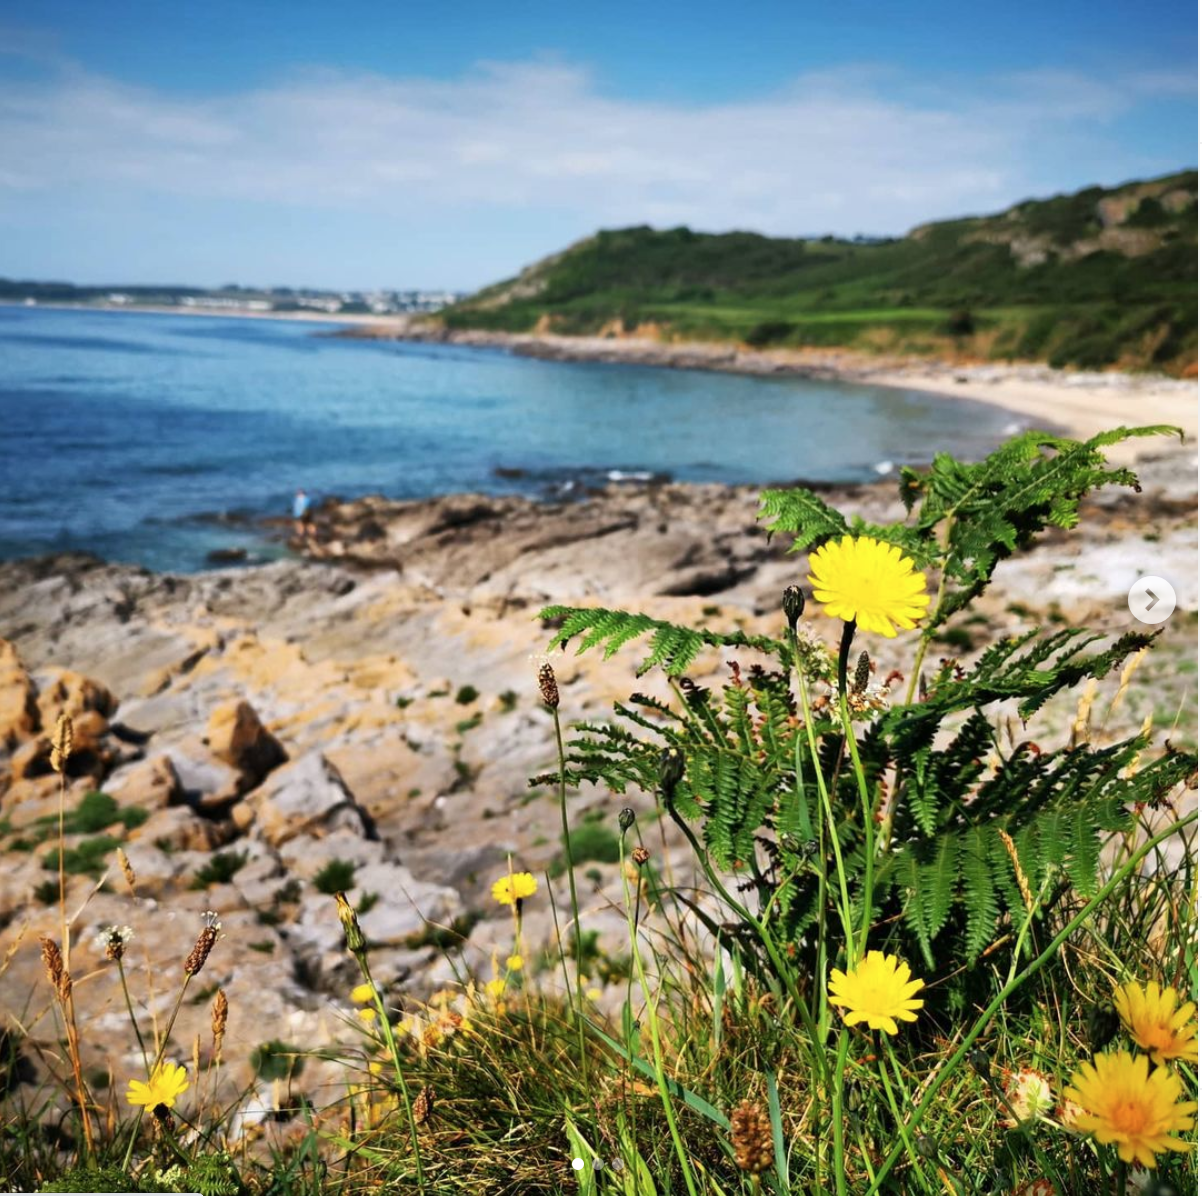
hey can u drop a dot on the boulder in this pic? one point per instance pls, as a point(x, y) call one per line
point(206, 782)
point(65, 692)
point(152, 784)
point(238, 738)
point(180, 829)
point(404, 905)
point(307, 797)
point(19, 717)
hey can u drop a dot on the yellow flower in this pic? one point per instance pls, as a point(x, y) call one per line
point(593, 994)
point(366, 1016)
point(1131, 1106)
point(514, 887)
point(871, 582)
point(1155, 1022)
point(514, 963)
point(1029, 1094)
point(167, 1082)
point(878, 990)
point(494, 988)
point(363, 994)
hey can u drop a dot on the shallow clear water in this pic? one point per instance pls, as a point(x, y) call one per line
point(157, 438)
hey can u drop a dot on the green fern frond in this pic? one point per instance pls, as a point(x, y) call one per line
point(672, 646)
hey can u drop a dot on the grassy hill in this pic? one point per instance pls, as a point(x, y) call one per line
point(1104, 277)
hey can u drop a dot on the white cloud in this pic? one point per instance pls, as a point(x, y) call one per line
point(861, 149)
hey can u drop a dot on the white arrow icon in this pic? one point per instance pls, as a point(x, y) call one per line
point(1152, 599)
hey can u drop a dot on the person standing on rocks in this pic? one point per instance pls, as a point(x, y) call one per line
point(302, 512)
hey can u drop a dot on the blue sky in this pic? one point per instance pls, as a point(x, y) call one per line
point(448, 145)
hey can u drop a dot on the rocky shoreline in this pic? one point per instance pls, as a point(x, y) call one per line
point(373, 707)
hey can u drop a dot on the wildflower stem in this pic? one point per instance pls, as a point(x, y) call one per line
point(870, 846)
point(67, 1000)
point(577, 995)
point(824, 795)
point(929, 630)
point(394, 1053)
point(957, 1057)
point(915, 1164)
point(837, 1112)
point(651, 1010)
point(133, 1019)
point(179, 1000)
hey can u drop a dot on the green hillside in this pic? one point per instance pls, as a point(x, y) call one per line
point(1104, 277)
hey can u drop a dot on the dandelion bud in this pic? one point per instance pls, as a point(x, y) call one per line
point(221, 1013)
point(548, 686)
point(625, 820)
point(640, 855)
point(61, 744)
point(671, 769)
point(204, 944)
point(423, 1105)
point(793, 603)
point(356, 944)
point(980, 1063)
point(751, 1136)
point(1102, 1026)
point(863, 670)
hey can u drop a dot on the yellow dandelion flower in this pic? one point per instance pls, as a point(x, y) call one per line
point(363, 994)
point(514, 963)
point(869, 581)
point(167, 1082)
point(1029, 1094)
point(494, 988)
point(514, 888)
point(878, 990)
point(366, 1016)
point(1131, 1104)
point(1150, 1013)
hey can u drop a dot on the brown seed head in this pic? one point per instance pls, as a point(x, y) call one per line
point(131, 877)
point(548, 686)
point(60, 745)
point(221, 1013)
point(52, 958)
point(423, 1105)
point(751, 1136)
point(640, 855)
point(204, 944)
point(863, 670)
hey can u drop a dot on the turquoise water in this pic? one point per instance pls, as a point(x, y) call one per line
point(155, 439)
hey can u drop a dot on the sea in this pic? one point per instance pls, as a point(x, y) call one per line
point(167, 440)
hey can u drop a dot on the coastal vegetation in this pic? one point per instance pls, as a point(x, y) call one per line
point(933, 940)
point(1103, 277)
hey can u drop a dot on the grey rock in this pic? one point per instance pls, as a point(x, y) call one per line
point(308, 797)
